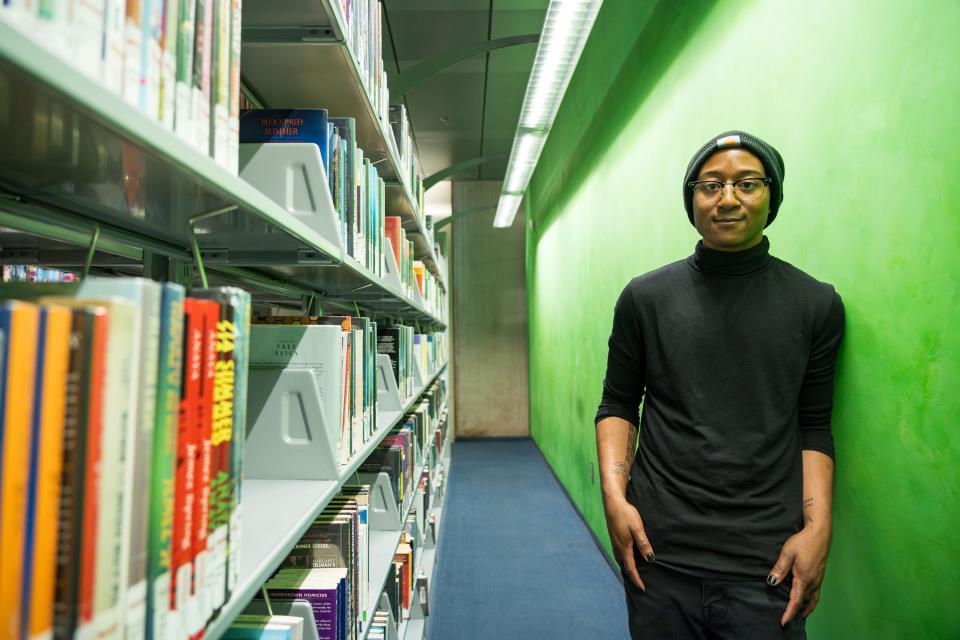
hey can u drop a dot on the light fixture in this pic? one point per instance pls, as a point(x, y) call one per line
point(565, 30)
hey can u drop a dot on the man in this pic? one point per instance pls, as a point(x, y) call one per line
point(722, 523)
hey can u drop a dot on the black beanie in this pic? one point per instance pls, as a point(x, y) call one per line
point(770, 157)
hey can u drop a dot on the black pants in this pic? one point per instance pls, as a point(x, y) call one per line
point(678, 605)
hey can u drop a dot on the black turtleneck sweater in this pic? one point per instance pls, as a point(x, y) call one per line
point(735, 352)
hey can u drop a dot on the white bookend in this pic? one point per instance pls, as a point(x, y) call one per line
point(292, 175)
point(289, 437)
point(392, 273)
point(383, 514)
point(388, 393)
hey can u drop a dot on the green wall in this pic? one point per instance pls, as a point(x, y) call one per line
point(863, 100)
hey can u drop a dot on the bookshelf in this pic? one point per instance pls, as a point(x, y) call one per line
point(277, 512)
point(306, 38)
point(75, 210)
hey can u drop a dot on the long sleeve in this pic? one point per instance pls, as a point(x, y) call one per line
point(815, 402)
point(624, 383)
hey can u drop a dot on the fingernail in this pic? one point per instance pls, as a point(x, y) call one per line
point(650, 557)
point(772, 581)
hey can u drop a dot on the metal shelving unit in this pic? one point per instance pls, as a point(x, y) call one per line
point(276, 513)
point(80, 163)
point(307, 40)
point(87, 182)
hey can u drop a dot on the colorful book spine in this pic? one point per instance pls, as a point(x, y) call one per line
point(200, 606)
point(19, 322)
point(70, 517)
point(233, 120)
point(163, 480)
point(185, 490)
point(168, 76)
point(183, 97)
point(46, 467)
point(220, 82)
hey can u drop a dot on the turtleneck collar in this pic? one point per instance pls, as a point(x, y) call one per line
point(731, 264)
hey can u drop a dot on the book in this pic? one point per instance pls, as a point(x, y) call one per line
point(144, 294)
point(220, 82)
point(228, 459)
point(163, 478)
point(183, 97)
point(286, 125)
point(324, 589)
point(46, 466)
point(184, 611)
point(19, 322)
point(169, 42)
point(265, 627)
point(200, 606)
point(77, 431)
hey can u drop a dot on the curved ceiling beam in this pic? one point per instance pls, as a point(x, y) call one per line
point(417, 74)
point(462, 214)
point(454, 169)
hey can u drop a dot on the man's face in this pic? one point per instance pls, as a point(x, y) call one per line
point(729, 224)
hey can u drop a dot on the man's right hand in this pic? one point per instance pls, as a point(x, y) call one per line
point(626, 532)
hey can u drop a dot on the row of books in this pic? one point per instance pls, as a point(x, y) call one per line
point(329, 567)
point(414, 274)
point(177, 61)
point(403, 138)
point(363, 20)
point(123, 405)
point(33, 273)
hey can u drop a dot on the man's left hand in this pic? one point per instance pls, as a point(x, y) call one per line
point(805, 555)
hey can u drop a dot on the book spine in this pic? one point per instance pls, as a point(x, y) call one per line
point(183, 96)
point(221, 439)
point(70, 520)
point(48, 445)
point(118, 438)
point(88, 37)
point(205, 60)
point(112, 52)
point(145, 388)
point(20, 325)
point(242, 358)
point(168, 74)
point(233, 120)
point(133, 44)
point(186, 472)
point(93, 392)
point(163, 480)
point(220, 90)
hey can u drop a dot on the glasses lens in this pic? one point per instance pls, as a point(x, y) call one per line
point(748, 189)
point(708, 191)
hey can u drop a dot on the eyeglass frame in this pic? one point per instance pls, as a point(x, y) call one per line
point(693, 185)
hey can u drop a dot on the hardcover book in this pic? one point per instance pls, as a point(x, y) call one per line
point(287, 125)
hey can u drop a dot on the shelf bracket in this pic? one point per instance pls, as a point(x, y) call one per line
point(195, 246)
point(91, 250)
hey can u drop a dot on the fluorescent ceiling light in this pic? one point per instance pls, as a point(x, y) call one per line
point(565, 30)
point(507, 209)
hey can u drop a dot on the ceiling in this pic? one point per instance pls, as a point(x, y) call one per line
point(471, 108)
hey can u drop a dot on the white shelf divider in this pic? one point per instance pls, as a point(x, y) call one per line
point(292, 175)
point(288, 437)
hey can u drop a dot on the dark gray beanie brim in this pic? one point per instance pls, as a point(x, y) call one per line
point(768, 156)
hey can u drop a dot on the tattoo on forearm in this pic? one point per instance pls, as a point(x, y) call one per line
point(620, 469)
point(631, 443)
point(807, 520)
point(807, 503)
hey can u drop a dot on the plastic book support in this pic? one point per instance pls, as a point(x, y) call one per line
point(384, 514)
point(392, 275)
point(292, 175)
point(388, 393)
point(288, 438)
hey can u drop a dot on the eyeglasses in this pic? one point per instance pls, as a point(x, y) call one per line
point(746, 189)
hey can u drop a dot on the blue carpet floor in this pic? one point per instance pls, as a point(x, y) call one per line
point(515, 559)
